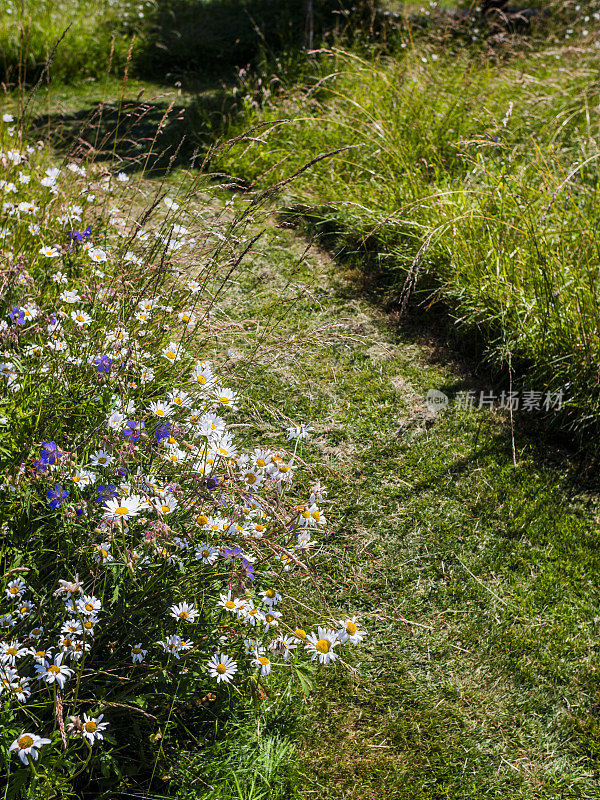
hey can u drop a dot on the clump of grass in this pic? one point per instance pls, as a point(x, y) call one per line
point(477, 181)
point(97, 38)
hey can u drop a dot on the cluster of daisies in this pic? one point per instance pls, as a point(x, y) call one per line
point(155, 489)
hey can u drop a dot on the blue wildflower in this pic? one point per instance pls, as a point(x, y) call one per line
point(103, 363)
point(56, 496)
point(162, 432)
point(133, 430)
point(17, 315)
point(105, 493)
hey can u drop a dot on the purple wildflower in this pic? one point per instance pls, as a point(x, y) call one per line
point(56, 496)
point(17, 315)
point(103, 363)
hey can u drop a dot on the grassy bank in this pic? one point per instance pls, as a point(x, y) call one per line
point(461, 180)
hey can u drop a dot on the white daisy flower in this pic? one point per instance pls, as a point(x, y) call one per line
point(80, 317)
point(11, 651)
point(49, 252)
point(172, 352)
point(137, 653)
point(69, 296)
point(27, 746)
point(123, 507)
point(101, 458)
point(321, 645)
point(270, 597)
point(54, 673)
point(263, 663)
point(184, 612)
point(162, 410)
point(349, 631)
point(207, 554)
point(16, 589)
point(221, 667)
point(93, 727)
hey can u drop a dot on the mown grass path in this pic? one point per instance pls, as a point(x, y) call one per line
point(475, 576)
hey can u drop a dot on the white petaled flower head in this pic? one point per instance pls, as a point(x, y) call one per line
point(54, 673)
point(69, 297)
point(172, 645)
point(263, 663)
point(93, 727)
point(301, 431)
point(27, 746)
point(349, 631)
point(88, 605)
point(310, 516)
point(270, 597)
point(165, 505)
point(137, 653)
point(226, 397)
point(16, 589)
point(49, 252)
point(161, 409)
point(202, 374)
point(321, 645)
point(221, 667)
point(80, 317)
point(172, 352)
point(123, 507)
point(101, 458)
point(11, 651)
point(184, 612)
point(206, 553)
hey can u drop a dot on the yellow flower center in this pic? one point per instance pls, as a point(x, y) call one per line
point(270, 593)
point(91, 727)
point(165, 509)
point(185, 318)
point(54, 669)
point(170, 355)
point(263, 660)
point(122, 510)
point(323, 645)
point(205, 554)
point(24, 609)
point(221, 669)
point(229, 604)
point(300, 633)
point(316, 515)
point(76, 478)
point(160, 412)
point(269, 617)
point(250, 478)
point(88, 625)
point(260, 462)
point(351, 628)
point(40, 654)
point(183, 615)
point(80, 318)
point(102, 460)
point(25, 741)
point(14, 590)
point(104, 553)
point(89, 607)
point(11, 651)
point(36, 632)
point(224, 399)
point(201, 380)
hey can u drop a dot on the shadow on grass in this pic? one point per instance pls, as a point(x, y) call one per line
point(214, 36)
point(154, 136)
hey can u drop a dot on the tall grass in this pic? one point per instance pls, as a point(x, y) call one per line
point(475, 183)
